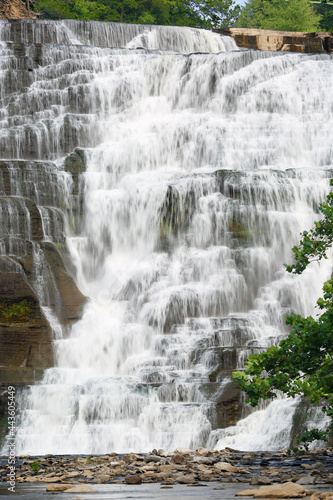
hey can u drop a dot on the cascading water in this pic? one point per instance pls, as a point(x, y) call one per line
point(200, 171)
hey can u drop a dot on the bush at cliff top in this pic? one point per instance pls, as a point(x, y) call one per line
point(302, 364)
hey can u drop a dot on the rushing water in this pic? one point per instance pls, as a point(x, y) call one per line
point(203, 164)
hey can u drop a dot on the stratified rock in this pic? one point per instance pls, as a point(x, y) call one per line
point(291, 41)
point(25, 338)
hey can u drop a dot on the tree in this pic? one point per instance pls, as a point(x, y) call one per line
point(164, 12)
point(302, 364)
point(219, 13)
point(326, 12)
point(282, 15)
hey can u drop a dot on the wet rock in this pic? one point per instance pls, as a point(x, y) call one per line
point(203, 460)
point(163, 453)
point(225, 467)
point(277, 40)
point(246, 493)
point(153, 458)
point(182, 479)
point(178, 459)
point(305, 480)
point(318, 466)
point(203, 451)
point(260, 480)
point(286, 490)
point(103, 478)
point(59, 487)
point(184, 451)
point(26, 339)
point(80, 488)
point(322, 495)
point(135, 479)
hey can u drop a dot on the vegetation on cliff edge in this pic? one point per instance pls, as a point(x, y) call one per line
point(302, 364)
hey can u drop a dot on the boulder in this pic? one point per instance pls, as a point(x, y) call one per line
point(260, 480)
point(134, 479)
point(184, 451)
point(225, 467)
point(286, 490)
point(178, 459)
point(59, 487)
point(80, 488)
point(306, 480)
point(246, 493)
point(322, 495)
point(203, 451)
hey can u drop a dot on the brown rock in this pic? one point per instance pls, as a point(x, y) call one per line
point(260, 480)
point(184, 451)
point(203, 451)
point(286, 490)
point(246, 493)
point(135, 479)
point(178, 459)
point(26, 340)
point(80, 488)
point(59, 487)
point(14, 9)
point(278, 40)
point(322, 495)
point(182, 479)
point(225, 467)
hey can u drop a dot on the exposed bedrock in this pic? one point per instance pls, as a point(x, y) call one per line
point(25, 336)
point(34, 280)
point(288, 41)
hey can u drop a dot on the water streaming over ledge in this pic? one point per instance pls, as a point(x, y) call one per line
point(200, 171)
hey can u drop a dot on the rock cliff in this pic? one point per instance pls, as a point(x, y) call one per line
point(306, 43)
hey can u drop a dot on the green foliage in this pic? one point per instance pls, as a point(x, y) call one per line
point(200, 14)
point(326, 12)
point(315, 243)
point(35, 466)
point(14, 313)
point(219, 13)
point(302, 364)
point(282, 15)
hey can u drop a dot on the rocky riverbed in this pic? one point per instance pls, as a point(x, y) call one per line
point(182, 466)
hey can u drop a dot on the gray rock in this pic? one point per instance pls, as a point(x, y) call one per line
point(262, 480)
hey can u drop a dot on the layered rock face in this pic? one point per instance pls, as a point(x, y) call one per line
point(305, 43)
point(32, 242)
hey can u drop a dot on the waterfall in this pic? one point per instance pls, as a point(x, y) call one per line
point(200, 164)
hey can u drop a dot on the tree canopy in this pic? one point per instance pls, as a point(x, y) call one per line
point(282, 15)
point(302, 364)
point(200, 14)
point(326, 12)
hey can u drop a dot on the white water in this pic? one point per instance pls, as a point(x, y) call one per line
point(202, 170)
